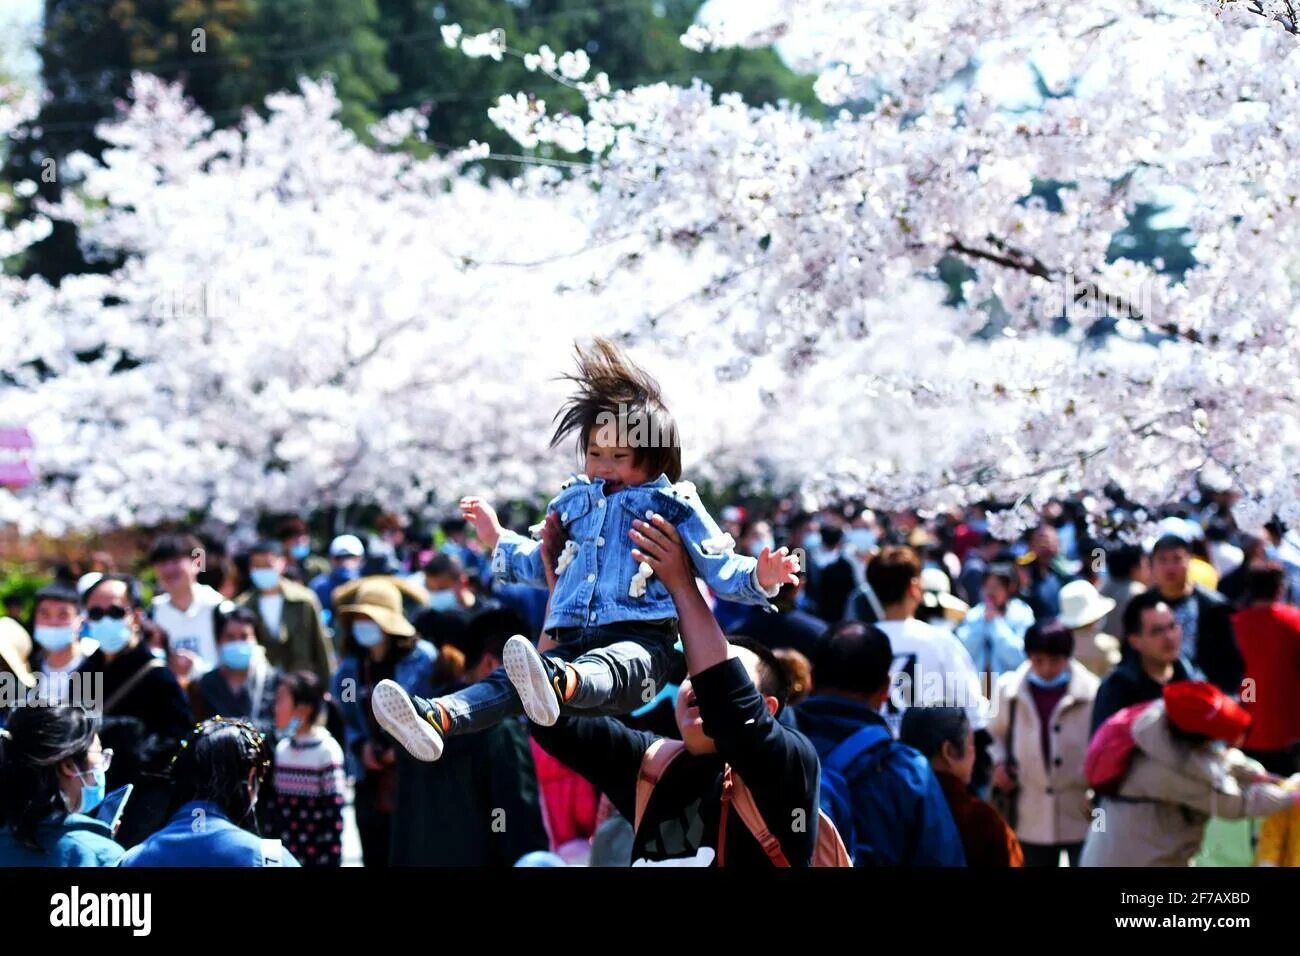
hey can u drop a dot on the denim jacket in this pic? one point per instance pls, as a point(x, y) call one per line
point(598, 582)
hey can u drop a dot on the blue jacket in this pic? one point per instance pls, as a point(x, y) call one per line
point(595, 586)
point(900, 815)
point(414, 672)
point(997, 645)
point(199, 834)
point(323, 586)
point(74, 840)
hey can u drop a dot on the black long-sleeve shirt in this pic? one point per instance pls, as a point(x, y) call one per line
point(778, 765)
point(1129, 684)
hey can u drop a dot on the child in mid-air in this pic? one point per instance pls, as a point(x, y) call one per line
point(614, 622)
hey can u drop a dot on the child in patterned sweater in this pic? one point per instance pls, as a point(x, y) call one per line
point(306, 814)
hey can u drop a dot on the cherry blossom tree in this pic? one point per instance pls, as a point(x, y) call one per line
point(306, 319)
point(818, 230)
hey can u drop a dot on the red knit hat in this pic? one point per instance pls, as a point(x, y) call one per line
point(1200, 708)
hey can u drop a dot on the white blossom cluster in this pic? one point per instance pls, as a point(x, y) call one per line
point(303, 319)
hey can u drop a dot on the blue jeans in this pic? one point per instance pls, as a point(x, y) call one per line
point(620, 666)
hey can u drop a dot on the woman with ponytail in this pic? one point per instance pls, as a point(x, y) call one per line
point(52, 768)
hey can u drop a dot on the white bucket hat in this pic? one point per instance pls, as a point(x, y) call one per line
point(937, 593)
point(1081, 604)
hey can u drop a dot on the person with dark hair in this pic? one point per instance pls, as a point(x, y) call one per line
point(60, 648)
point(243, 684)
point(146, 713)
point(1047, 572)
point(1268, 633)
point(379, 644)
point(1179, 775)
point(943, 736)
point(185, 609)
point(976, 566)
point(450, 813)
point(789, 627)
point(452, 602)
point(456, 543)
point(288, 615)
point(684, 804)
point(933, 666)
point(798, 671)
point(216, 778)
point(294, 538)
point(306, 809)
point(1204, 616)
point(1040, 733)
point(882, 795)
point(993, 632)
point(1235, 584)
point(1153, 658)
point(613, 622)
point(832, 581)
point(1128, 573)
point(52, 768)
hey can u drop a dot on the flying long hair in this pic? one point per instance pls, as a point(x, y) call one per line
point(624, 401)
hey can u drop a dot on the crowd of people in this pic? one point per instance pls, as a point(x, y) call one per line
point(1021, 653)
point(630, 682)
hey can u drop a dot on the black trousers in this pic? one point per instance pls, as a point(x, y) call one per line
point(374, 827)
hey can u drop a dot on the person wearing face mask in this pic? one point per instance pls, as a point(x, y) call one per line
point(1040, 733)
point(379, 643)
point(216, 781)
point(52, 778)
point(244, 683)
point(145, 711)
point(306, 811)
point(288, 615)
point(57, 626)
point(301, 564)
point(346, 555)
point(452, 602)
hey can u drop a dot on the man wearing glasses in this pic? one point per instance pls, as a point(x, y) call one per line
point(1153, 657)
point(145, 711)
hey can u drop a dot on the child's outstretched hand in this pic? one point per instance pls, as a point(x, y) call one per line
point(776, 568)
point(484, 519)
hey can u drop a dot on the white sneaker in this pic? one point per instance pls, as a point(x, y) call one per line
point(397, 714)
point(533, 682)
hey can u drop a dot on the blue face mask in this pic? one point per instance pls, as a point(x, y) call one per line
point(1060, 680)
point(862, 539)
point(292, 728)
point(112, 635)
point(347, 574)
point(92, 794)
point(756, 549)
point(443, 600)
point(812, 541)
point(300, 551)
point(367, 633)
point(237, 655)
point(264, 578)
point(53, 638)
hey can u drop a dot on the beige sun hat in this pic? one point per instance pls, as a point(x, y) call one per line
point(15, 649)
point(379, 597)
